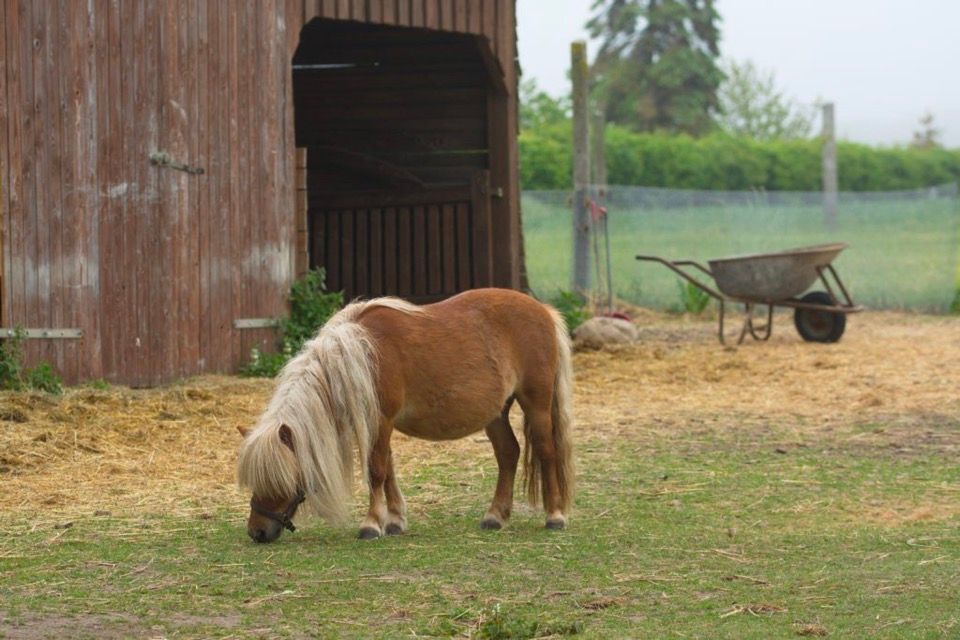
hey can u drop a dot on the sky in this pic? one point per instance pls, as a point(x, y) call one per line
point(884, 63)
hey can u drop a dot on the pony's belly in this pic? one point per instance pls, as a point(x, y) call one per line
point(441, 426)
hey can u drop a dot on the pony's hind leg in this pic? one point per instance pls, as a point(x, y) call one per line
point(507, 450)
point(542, 464)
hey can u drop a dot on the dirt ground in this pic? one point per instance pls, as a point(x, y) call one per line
point(172, 450)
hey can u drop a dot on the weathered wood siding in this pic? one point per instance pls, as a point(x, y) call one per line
point(153, 264)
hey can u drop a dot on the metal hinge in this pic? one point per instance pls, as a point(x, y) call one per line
point(164, 159)
point(41, 333)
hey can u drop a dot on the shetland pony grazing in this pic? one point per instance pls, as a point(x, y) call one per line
point(439, 372)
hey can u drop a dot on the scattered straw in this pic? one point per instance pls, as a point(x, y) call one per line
point(172, 450)
point(754, 609)
point(812, 629)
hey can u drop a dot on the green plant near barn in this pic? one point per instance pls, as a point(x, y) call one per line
point(572, 306)
point(311, 305)
point(14, 376)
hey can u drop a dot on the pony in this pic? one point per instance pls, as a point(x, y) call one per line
point(439, 372)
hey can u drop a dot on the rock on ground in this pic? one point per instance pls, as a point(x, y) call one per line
point(599, 332)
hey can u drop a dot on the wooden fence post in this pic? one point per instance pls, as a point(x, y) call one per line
point(581, 169)
point(830, 186)
point(603, 288)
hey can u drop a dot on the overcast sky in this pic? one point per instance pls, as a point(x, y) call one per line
point(883, 62)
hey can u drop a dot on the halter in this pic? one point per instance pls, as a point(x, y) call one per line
point(283, 518)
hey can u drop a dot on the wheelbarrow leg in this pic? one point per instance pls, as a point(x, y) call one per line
point(760, 334)
point(747, 323)
point(723, 340)
point(763, 333)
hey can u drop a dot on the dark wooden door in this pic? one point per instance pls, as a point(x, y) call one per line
point(422, 246)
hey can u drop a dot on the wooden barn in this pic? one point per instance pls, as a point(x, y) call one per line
point(168, 168)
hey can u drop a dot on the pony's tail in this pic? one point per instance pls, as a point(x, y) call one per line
point(561, 415)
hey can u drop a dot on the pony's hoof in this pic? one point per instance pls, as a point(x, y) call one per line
point(393, 529)
point(491, 524)
point(556, 524)
point(368, 533)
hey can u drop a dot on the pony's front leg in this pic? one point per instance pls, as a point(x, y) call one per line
point(396, 505)
point(387, 512)
point(377, 469)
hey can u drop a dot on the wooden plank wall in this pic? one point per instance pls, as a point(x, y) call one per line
point(154, 265)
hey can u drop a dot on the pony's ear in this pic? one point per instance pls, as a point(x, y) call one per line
point(286, 436)
point(243, 430)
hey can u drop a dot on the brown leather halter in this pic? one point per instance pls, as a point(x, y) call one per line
point(285, 518)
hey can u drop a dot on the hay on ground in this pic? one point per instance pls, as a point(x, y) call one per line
point(172, 450)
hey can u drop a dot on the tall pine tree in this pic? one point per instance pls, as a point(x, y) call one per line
point(657, 68)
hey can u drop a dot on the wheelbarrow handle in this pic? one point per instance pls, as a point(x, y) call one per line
point(675, 266)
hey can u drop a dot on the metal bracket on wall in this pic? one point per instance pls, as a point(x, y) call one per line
point(164, 159)
point(256, 323)
point(34, 334)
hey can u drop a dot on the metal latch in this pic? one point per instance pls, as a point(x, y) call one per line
point(41, 333)
point(164, 159)
point(256, 323)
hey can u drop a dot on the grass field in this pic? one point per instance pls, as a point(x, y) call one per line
point(903, 252)
point(774, 491)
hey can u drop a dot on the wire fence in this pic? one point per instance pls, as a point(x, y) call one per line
point(903, 253)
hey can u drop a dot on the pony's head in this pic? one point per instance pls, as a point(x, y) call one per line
point(323, 410)
point(268, 467)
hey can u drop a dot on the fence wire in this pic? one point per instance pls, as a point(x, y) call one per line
point(903, 253)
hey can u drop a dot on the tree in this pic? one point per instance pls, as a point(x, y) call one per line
point(928, 137)
point(752, 106)
point(538, 108)
point(657, 64)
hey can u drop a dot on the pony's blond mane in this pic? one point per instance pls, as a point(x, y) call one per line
point(327, 396)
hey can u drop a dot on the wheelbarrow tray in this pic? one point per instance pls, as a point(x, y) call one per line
point(772, 277)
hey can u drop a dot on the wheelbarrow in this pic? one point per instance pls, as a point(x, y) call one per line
point(775, 280)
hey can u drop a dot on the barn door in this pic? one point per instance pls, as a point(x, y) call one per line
point(423, 246)
point(482, 229)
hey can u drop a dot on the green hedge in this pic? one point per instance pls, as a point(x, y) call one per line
point(721, 162)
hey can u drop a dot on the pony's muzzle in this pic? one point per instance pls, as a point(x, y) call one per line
point(263, 532)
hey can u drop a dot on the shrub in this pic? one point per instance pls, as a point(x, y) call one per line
point(11, 361)
point(693, 299)
point(311, 305)
point(265, 364)
point(572, 306)
point(727, 163)
point(546, 158)
point(14, 376)
point(43, 378)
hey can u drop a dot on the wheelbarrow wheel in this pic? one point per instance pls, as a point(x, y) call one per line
point(815, 325)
